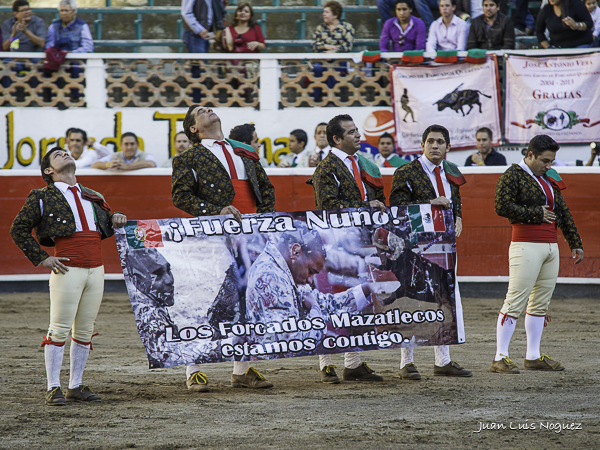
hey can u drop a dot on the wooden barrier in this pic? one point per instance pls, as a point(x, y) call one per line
point(482, 248)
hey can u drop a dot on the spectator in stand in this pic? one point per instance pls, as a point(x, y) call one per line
point(24, 32)
point(182, 143)
point(322, 149)
point(78, 146)
point(485, 154)
point(246, 134)
point(448, 32)
point(568, 22)
point(594, 154)
point(387, 156)
point(70, 33)
point(201, 19)
point(244, 36)
point(129, 158)
point(491, 31)
point(403, 32)
point(299, 153)
point(594, 10)
point(465, 10)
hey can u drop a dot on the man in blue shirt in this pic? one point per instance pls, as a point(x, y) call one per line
point(24, 32)
point(69, 32)
point(201, 18)
point(485, 154)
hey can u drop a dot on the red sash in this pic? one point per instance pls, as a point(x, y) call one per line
point(245, 199)
point(544, 233)
point(83, 249)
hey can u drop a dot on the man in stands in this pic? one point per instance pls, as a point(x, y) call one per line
point(201, 19)
point(129, 158)
point(70, 33)
point(78, 146)
point(299, 153)
point(24, 32)
point(448, 32)
point(485, 154)
point(182, 143)
point(322, 149)
point(219, 176)
point(73, 219)
point(386, 156)
point(492, 30)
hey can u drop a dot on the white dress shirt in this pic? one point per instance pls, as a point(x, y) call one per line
point(453, 37)
point(89, 156)
point(148, 157)
point(428, 167)
point(87, 206)
point(348, 162)
point(216, 149)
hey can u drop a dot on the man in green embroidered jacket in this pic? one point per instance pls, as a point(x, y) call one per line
point(430, 179)
point(72, 219)
point(218, 176)
point(346, 180)
point(528, 194)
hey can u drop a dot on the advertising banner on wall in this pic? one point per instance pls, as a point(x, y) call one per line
point(461, 97)
point(277, 285)
point(557, 96)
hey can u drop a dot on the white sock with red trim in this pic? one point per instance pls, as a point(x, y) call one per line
point(53, 354)
point(240, 367)
point(442, 355)
point(351, 360)
point(406, 356)
point(79, 355)
point(324, 360)
point(534, 327)
point(504, 332)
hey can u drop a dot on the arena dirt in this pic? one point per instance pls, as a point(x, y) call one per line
point(153, 409)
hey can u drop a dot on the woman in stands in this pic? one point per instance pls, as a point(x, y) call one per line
point(333, 35)
point(568, 22)
point(244, 36)
point(403, 32)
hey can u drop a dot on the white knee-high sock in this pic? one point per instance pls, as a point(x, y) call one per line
point(534, 327)
point(240, 367)
point(442, 355)
point(406, 356)
point(504, 332)
point(192, 368)
point(324, 360)
point(53, 354)
point(351, 360)
point(79, 355)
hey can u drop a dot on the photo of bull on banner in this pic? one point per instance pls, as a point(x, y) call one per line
point(278, 285)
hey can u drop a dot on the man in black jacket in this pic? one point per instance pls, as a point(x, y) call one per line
point(493, 30)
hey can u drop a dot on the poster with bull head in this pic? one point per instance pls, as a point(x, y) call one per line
point(279, 285)
point(556, 95)
point(462, 97)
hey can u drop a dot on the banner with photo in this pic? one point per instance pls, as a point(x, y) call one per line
point(556, 95)
point(462, 97)
point(278, 285)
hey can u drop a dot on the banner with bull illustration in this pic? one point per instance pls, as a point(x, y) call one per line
point(557, 96)
point(277, 285)
point(462, 97)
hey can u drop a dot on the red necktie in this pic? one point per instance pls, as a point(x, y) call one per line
point(438, 180)
point(357, 178)
point(80, 211)
point(229, 159)
point(549, 198)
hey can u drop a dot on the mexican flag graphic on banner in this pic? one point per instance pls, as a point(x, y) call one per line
point(425, 218)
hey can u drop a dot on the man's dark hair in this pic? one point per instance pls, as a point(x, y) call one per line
point(46, 163)
point(408, 3)
point(130, 134)
point(180, 132)
point(436, 129)
point(18, 3)
point(190, 120)
point(453, 2)
point(300, 136)
point(335, 7)
point(385, 135)
point(77, 130)
point(334, 128)
point(541, 143)
point(497, 2)
point(319, 125)
point(243, 133)
point(487, 131)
